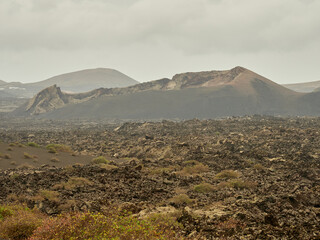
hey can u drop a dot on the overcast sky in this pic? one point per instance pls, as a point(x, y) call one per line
point(152, 39)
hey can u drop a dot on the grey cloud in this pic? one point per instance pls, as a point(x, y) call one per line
point(152, 38)
point(193, 26)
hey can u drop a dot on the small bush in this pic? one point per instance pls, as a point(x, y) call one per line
point(10, 149)
point(108, 166)
point(97, 226)
point(21, 145)
point(19, 222)
point(59, 147)
point(204, 188)
point(50, 195)
point(14, 176)
point(99, 160)
point(25, 166)
point(33, 144)
point(227, 174)
point(27, 156)
point(13, 163)
point(181, 199)
point(237, 184)
point(7, 156)
point(73, 183)
point(5, 211)
point(194, 169)
point(52, 150)
point(67, 206)
point(12, 144)
point(191, 162)
point(54, 160)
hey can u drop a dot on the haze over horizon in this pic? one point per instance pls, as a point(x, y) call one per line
point(148, 39)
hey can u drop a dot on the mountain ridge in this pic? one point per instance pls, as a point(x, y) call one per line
point(187, 95)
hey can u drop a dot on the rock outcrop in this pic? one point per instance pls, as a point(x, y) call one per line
point(53, 98)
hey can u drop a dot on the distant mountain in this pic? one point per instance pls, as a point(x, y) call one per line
point(4, 94)
point(80, 81)
point(317, 89)
point(2, 82)
point(87, 80)
point(210, 94)
point(303, 87)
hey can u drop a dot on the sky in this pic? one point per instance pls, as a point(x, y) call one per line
point(153, 39)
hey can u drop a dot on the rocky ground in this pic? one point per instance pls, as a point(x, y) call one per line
point(237, 178)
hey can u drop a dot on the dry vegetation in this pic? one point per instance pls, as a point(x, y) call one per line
point(237, 178)
point(73, 183)
point(19, 222)
point(100, 160)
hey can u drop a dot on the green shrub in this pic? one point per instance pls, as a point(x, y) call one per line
point(58, 148)
point(204, 188)
point(19, 222)
point(107, 166)
point(33, 144)
point(99, 160)
point(181, 199)
point(5, 211)
point(227, 174)
point(73, 183)
point(97, 226)
point(52, 150)
point(50, 195)
point(194, 169)
point(27, 156)
point(237, 184)
point(191, 162)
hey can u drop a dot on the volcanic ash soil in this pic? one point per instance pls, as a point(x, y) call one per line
point(238, 178)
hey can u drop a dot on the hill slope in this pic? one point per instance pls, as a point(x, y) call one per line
point(303, 87)
point(86, 80)
point(208, 94)
point(79, 81)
